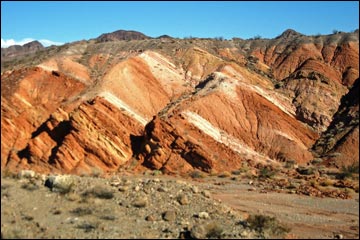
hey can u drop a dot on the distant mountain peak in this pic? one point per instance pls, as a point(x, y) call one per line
point(33, 44)
point(165, 36)
point(18, 50)
point(290, 33)
point(122, 35)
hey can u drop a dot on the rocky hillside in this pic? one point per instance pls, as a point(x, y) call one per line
point(17, 50)
point(179, 104)
point(121, 35)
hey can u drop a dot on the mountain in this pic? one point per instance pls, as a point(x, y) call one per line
point(181, 104)
point(121, 35)
point(17, 50)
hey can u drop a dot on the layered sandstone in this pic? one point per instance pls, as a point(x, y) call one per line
point(178, 105)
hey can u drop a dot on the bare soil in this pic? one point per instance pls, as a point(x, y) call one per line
point(29, 209)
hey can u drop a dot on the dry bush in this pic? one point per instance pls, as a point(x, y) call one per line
point(224, 174)
point(197, 174)
point(100, 192)
point(267, 226)
point(81, 211)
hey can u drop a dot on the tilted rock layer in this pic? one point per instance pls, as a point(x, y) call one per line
point(124, 99)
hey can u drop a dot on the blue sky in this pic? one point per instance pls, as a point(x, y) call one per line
point(61, 22)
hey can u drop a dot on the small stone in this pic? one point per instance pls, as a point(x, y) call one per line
point(339, 236)
point(115, 182)
point(206, 193)
point(156, 180)
point(26, 174)
point(137, 188)
point(169, 215)
point(194, 189)
point(148, 148)
point(183, 199)
point(162, 189)
point(203, 215)
point(140, 202)
point(123, 188)
point(150, 218)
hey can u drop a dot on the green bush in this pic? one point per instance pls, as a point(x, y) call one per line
point(348, 171)
point(266, 172)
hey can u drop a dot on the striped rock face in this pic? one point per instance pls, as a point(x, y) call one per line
point(180, 105)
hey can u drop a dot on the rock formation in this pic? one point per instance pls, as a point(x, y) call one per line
point(181, 104)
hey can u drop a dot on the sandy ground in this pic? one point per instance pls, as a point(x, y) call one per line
point(35, 211)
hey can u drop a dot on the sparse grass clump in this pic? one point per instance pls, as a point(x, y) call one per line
point(99, 192)
point(348, 171)
point(96, 172)
point(224, 174)
point(29, 186)
point(81, 211)
point(266, 172)
point(236, 172)
point(327, 182)
point(267, 226)
point(87, 226)
point(156, 173)
point(290, 164)
point(6, 173)
point(213, 230)
point(197, 174)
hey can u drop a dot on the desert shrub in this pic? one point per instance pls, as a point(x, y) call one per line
point(213, 172)
point(87, 227)
point(213, 230)
point(29, 186)
point(267, 226)
point(99, 192)
point(305, 170)
point(108, 217)
point(290, 163)
point(224, 174)
point(6, 173)
point(316, 161)
point(156, 172)
point(197, 174)
point(236, 172)
point(96, 172)
point(81, 211)
point(348, 171)
point(266, 172)
point(327, 182)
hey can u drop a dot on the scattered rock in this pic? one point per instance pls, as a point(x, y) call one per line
point(169, 215)
point(183, 199)
point(123, 188)
point(140, 202)
point(206, 193)
point(194, 189)
point(162, 189)
point(339, 236)
point(203, 215)
point(27, 174)
point(61, 183)
point(150, 218)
